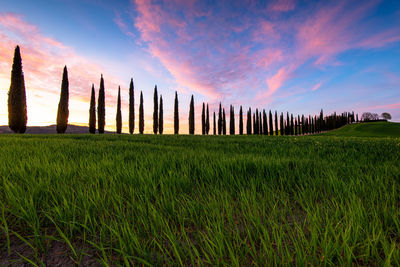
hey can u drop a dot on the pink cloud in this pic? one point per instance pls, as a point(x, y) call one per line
point(388, 106)
point(316, 87)
point(282, 5)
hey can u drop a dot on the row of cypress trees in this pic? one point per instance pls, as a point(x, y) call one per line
point(257, 122)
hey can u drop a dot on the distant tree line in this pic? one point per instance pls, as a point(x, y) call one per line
point(258, 122)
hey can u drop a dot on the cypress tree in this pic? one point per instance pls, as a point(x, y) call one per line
point(203, 120)
point(101, 108)
point(232, 121)
point(62, 113)
point(131, 108)
point(220, 119)
point(265, 123)
point(17, 112)
point(248, 129)
point(291, 125)
point(287, 128)
point(260, 130)
point(271, 126)
point(298, 125)
point(207, 121)
point(282, 127)
point(214, 128)
point(223, 121)
point(119, 115)
point(276, 123)
point(155, 111)
point(295, 126)
point(191, 116)
point(161, 117)
point(92, 112)
point(240, 121)
point(254, 124)
point(321, 118)
point(176, 115)
point(141, 114)
point(302, 124)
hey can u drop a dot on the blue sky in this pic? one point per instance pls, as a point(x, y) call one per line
point(288, 55)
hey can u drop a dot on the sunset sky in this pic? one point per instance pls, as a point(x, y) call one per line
point(288, 55)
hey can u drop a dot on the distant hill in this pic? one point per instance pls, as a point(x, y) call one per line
point(51, 129)
point(370, 129)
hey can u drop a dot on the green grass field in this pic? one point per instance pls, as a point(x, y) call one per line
point(193, 200)
point(369, 129)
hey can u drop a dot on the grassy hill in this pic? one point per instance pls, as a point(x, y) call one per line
point(369, 129)
point(199, 200)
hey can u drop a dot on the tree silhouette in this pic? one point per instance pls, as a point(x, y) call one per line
point(265, 123)
point(385, 116)
point(131, 108)
point(282, 125)
point(191, 116)
point(271, 125)
point(255, 123)
point(276, 123)
point(295, 126)
point(101, 108)
point(155, 111)
point(176, 115)
point(119, 115)
point(248, 122)
point(220, 119)
point(207, 121)
point(241, 121)
point(92, 112)
point(223, 121)
point(232, 121)
point(214, 126)
point(141, 114)
point(62, 112)
point(291, 125)
point(203, 120)
point(17, 112)
point(161, 117)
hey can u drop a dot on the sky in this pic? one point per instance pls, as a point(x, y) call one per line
point(286, 55)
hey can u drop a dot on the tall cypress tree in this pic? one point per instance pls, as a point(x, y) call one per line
point(271, 125)
point(265, 126)
point(191, 116)
point(161, 117)
point(295, 126)
point(248, 117)
point(321, 121)
point(214, 125)
point(119, 115)
point(155, 111)
point(287, 128)
point(207, 121)
point(131, 108)
point(241, 121)
point(17, 112)
point(282, 127)
point(232, 121)
point(302, 124)
point(220, 119)
point(254, 123)
point(203, 120)
point(291, 125)
point(260, 130)
point(176, 115)
point(223, 121)
point(276, 123)
point(101, 108)
point(62, 112)
point(141, 114)
point(92, 112)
